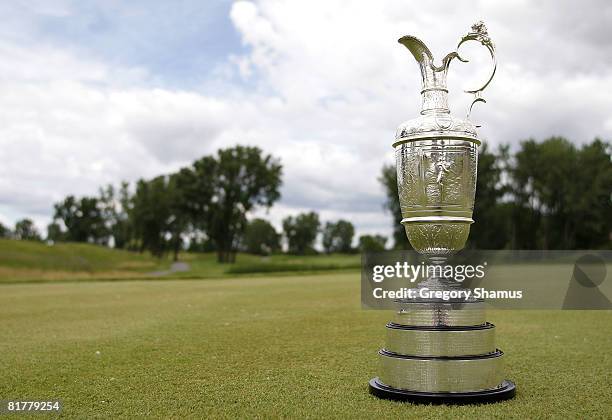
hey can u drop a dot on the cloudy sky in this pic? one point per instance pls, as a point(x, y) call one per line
point(93, 93)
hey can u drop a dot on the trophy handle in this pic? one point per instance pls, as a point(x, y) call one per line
point(479, 33)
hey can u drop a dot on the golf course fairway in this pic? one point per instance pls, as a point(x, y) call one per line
point(295, 346)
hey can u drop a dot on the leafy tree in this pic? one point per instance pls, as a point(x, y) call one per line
point(388, 179)
point(243, 179)
point(151, 216)
point(211, 197)
point(338, 237)
point(199, 242)
point(178, 223)
point(115, 206)
point(372, 243)
point(301, 232)
point(261, 238)
point(83, 220)
point(592, 204)
point(192, 193)
point(26, 230)
point(4, 231)
point(197, 186)
point(561, 195)
point(537, 172)
point(55, 233)
point(492, 216)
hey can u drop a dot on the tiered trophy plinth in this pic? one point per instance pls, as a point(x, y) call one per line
point(441, 352)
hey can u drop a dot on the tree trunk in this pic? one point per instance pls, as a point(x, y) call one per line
point(176, 251)
point(222, 255)
point(226, 256)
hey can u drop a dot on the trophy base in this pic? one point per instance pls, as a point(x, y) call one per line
point(506, 391)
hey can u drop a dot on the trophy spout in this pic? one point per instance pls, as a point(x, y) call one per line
point(424, 57)
point(433, 78)
point(419, 50)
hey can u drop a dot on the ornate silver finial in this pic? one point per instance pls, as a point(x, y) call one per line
point(480, 28)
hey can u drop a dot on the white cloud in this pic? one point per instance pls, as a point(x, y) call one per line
point(324, 86)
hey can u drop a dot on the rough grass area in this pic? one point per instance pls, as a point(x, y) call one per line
point(206, 265)
point(285, 268)
point(265, 347)
point(28, 261)
point(250, 264)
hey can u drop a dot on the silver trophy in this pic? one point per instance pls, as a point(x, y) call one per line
point(440, 351)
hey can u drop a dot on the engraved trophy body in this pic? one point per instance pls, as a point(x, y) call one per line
point(440, 351)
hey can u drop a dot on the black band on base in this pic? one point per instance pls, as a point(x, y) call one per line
point(505, 392)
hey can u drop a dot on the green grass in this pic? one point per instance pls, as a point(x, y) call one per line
point(205, 265)
point(70, 257)
point(28, 261)
point(265, 347)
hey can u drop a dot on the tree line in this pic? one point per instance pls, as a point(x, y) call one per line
point(545, 195)
point(301, 232)
point(206, 201)
point(202, 207)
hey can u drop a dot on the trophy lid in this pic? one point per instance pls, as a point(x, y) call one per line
point(435, 120)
